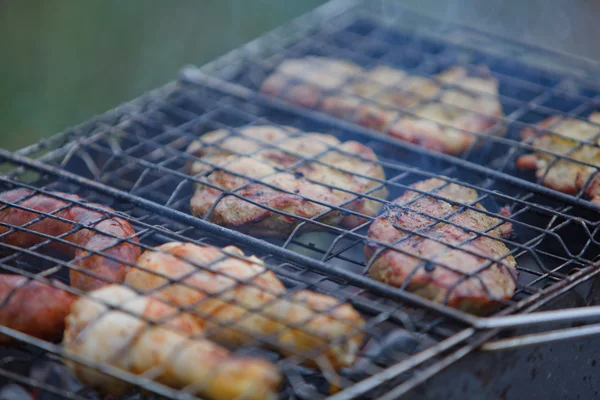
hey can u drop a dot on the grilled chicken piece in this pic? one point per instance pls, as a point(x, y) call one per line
point(146, 336)
point(435, 113)
point(94, 239)
point(238, 300)
point(305, 165)
point(35, 308)
point(554, 135)
point(99, 233)
point(442, 277)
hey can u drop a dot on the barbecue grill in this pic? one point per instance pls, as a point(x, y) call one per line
point(133, 159)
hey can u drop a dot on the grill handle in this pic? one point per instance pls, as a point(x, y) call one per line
point(533, 339)
point(514, 321)
point(580, 314)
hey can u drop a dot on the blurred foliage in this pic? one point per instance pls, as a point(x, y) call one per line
point(66, 60)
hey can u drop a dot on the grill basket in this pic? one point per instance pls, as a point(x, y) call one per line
point(133, 159)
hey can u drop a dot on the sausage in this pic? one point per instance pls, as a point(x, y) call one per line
point(39, 309)
point(146, 335)
point(110, 270)
point(32, 307)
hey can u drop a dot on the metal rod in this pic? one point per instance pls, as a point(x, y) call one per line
point(533, 339)
point(542, 317)
point(376, 287)
point(400, 368)
point(195, 76)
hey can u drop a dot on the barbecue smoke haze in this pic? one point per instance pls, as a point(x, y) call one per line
point(569, 26)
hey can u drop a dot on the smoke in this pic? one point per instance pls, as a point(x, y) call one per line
point(565, 25)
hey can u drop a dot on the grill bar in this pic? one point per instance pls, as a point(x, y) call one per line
point(196, 76)
point(134, 157)
point(379, 288)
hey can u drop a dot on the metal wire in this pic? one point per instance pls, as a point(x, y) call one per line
point(383, 318)
point(134, 160)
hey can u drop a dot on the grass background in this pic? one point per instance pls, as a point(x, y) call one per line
point(64, 61)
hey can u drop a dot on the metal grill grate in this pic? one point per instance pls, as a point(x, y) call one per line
point(133, 159)
point(390, 323)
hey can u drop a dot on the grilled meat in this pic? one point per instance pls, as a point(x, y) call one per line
point(444, 275)
point(31, 307)
point(106, 237)
point(38, 309)
point(570, 137)
point(436, 113)
point(304, 165)
point(238, 300)
point(146, 336)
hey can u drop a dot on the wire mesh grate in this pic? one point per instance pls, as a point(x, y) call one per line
point(136, 159)
point(35, 364)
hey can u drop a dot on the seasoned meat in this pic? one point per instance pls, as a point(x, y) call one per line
point(31, 307)
point(105, 237)
point(305, 165)
point(238, 299)
point(433, 112)
point(39, 309)
point(442, 277)
point(146, 336)
point(554, 135)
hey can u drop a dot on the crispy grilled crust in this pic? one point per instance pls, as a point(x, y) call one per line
point(238, 300)
point(274, 156)
point(432, 112)
point(38, 309)
point(553, 135)
point(95, 240)
point(149, 337)
point(478, 294)
point(32, 307)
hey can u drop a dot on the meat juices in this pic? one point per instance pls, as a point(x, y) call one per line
point(438, 113)
point(238, 300)
point(554, 135)
point(39, 309)
point(305, 165)
point(493, 281)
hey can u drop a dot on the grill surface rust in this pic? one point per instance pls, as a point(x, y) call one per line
point(133, 159)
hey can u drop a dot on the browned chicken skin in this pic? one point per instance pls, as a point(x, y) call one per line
point(223, 290)
point(433, 112)
point(146, 336)
point(110, 270)
point(39, 309)
point(430, 279)
point(32, 307)
point(554, 136)
point(263, 153)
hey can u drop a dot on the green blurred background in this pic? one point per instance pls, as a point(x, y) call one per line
point(62, 61)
